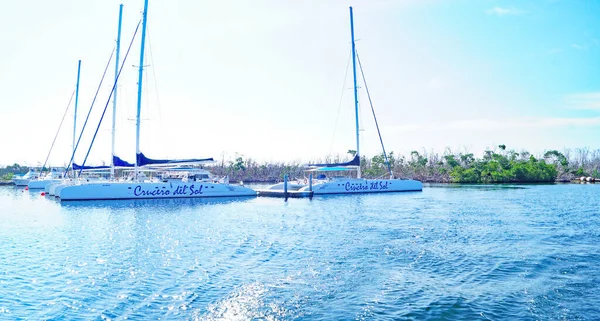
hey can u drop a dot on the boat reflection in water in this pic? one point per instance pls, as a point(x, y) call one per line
point(155, 202)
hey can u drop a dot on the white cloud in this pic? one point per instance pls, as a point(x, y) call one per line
point(578, 47)
point(585, 101)
point(504, 11)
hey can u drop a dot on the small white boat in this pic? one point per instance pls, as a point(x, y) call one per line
point(324, 184)
point(23, 180)
point(350, 185)
point(54, 176)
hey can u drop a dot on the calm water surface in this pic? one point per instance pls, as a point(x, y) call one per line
point(454, 253)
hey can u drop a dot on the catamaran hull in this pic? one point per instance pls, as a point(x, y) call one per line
point(21, 181)
point(290, 187)
point(54, 188)
point(41, 184)
point(356, 186)
point(146, 190)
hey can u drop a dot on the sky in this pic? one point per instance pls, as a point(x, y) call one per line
point(271, 81)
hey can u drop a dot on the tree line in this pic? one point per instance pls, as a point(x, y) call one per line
point(8, 172)
point(499, 165)
point(494, 166)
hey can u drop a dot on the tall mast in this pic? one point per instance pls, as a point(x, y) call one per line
point(75, 113)
point(355, 88)
point(114, 115)
point(140, 76)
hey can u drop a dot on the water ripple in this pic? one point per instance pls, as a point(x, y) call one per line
point(450, 252)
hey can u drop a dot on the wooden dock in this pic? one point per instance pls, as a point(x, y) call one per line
point(283, 194)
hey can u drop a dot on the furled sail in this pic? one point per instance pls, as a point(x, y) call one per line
point(354, 162)
point(121, 163)
point(143, 160)
point(116, 160)
point(79, 167)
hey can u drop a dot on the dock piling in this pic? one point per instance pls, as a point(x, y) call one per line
point(285, 185)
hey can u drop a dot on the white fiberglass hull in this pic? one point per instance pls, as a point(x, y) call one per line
point(21, 181)
point(42, 183)
point(290, 187)
point(149, 190)
point(52, 189)
point(356, 185)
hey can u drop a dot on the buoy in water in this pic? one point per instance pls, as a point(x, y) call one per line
point(26, 188)
point(43, 194)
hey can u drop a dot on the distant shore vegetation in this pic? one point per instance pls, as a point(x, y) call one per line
point(500, 165)
point(8, 172)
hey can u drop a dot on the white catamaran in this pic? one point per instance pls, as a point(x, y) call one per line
point(190, 186)
point(53, 176)
point(23, 180)
point(350, 185)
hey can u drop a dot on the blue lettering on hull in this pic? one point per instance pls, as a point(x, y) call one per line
point(366, 186)
point(181, 190)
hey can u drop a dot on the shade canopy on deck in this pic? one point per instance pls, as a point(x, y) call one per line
point(331, 169)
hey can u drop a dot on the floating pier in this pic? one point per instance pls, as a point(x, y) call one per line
point(587, 179)
point(584, 179)
point(285, 193)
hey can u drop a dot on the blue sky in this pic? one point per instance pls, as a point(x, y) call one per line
point(264, 78)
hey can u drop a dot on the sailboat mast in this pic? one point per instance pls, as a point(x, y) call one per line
point(114, 114)
point(75, 112)
point(355, 88)
point(139, 98)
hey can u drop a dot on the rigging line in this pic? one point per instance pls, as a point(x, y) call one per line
point(146, 92)
point(110, 96)
point(160, 123)
point(340, 104)
point(89, 112)
point(55, 136)
point(387, 162)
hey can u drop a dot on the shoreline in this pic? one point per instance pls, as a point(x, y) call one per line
point(563, 181)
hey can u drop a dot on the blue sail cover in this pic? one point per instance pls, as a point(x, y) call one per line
point(116, 160)
point(354, 162)
point(79, 167)
point(143, 160)
point(121, 163)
